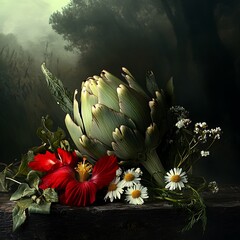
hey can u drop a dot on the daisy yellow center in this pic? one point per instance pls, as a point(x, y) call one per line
point(136, 193)
point(83, 169)
point(175, 178)
point(112, 187)
point(129, 177)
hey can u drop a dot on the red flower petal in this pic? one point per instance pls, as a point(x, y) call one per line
point(58, 179)
point(68, 158)
point(45, 162)
point(104, 171)
point(79, 193)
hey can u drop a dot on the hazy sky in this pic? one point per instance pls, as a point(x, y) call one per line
point(28, 19)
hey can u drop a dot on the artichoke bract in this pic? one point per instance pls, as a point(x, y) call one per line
point(113, 116)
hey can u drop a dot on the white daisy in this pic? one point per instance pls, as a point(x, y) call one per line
point(131, 177)
point(115, 189)
point(119, 172)
point(139, 171)
point(136, 194)
point(175, 179)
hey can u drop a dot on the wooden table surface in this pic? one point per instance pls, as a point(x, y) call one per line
point(122, 221)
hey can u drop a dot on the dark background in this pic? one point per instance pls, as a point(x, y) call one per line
point(197, 42)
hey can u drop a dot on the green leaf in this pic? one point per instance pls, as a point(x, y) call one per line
point(33, 179)
point(128, 143)
point(88, 100)
point(3, 183)
point(50, 195)
point(76, 114)
point(152, 137)
point(9, 171)
point(48, 136)
point(105, 120)
point(19, 214)
point(42, 208)
point(107, 95)
point(58, 91)
point(94, 147)
point(23, 167)
point(111, 79)
point(19, 217)
point(132, 82)
point(75, 132)
point(135, 106)
point(23, 191)
point(151, 83)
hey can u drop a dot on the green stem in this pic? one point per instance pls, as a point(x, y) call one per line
point(154, 166)
point(13, 180)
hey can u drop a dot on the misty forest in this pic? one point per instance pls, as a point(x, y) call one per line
point(195, 42)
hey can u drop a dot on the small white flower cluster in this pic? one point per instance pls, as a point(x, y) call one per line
point(204, 153)
point(213, 187)
point(135, 193)
point(201, 130)
point(184, 122)
point(215, 133)
point(180, 111)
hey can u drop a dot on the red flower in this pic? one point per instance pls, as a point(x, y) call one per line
point(70, 179)
point(50, 161)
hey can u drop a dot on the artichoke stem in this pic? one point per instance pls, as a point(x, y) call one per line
point(154, 166)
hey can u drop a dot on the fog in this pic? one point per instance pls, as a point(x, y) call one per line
point(26, 40)
point(29, 22)
point(28, 19)
point(195, 42)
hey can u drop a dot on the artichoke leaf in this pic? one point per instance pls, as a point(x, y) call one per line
point(128, 143)
point(74, 131)
point(105, 120)
point(162, 103)
point(151, 83)
point(155, 111)
point(93, 85)
point(107, 95)
point(94, 147)
point(152, 137)
point(135, 106)
point(111, 79)
point(87, 101)
point(132, 82)
point(76, 114)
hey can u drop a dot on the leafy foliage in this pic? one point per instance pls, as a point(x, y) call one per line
point(32, 199)
point(190, 200)
point(29, 198)
point(61, 95)
point(50, 139)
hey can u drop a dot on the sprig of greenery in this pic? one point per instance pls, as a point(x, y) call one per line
point(27, 195)
point(51, 140)
point(30, 199)
point(188, 199)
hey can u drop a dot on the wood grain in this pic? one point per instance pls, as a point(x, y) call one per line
point(115, 221)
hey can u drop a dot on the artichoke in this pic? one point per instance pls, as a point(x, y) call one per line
point(121, 118)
